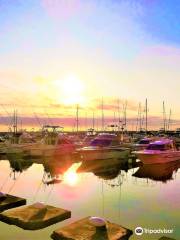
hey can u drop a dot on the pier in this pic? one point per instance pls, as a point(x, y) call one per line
point(9, 201)
point(35, 216)
point(83, 229)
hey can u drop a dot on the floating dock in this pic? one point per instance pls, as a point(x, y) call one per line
point(35, 216)
point(8, 201)
point(83, 229)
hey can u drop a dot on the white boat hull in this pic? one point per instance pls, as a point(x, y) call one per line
point(40, 150)
point(102, 154)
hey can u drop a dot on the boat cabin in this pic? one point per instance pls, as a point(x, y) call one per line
point(105, 140)
point(161, 145)
point(145, 141)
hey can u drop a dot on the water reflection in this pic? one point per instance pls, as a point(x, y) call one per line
point(158, 172)
point(71, 177)
point(67, 170)
point(101, 187)
point(20, 165)
point(54, 170)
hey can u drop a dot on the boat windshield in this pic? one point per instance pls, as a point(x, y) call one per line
point(144, 141)
point(101, 142)
point(160, 147)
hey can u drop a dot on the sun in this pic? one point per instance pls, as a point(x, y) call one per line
point(71, 90)
point(71, 177)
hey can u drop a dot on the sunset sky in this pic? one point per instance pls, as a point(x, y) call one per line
point(57, 53)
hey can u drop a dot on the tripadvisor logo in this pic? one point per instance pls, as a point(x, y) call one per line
point(139, 231)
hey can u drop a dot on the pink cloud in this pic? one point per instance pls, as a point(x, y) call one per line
point(61, 8)
point(160, 50)
point(111, 104)
point(67, 9)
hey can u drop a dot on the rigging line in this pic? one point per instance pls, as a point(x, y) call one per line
point(8, 119)
point(39, 187)
point(4, 120)
point(50, 120)
point(15, 181)
point(37, 119)
point(49, 194)
point(102, 191)
point(6, 180)
point(119, 213)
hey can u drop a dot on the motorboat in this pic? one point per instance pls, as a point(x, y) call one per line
point(62, 146)
point(52, 144)
point(20, 148)
point(141, 144)
point(104, 146)
point(160, 151)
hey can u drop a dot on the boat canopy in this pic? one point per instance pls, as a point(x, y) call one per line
point(144, 141)
point(104, 140)
point(101, 142)
point(161, 145)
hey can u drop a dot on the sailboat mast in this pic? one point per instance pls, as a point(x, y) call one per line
point(140, 120)
point(119, 120)
point(102, 114)
point(164, 117)
point(16, 121)
point(93, 121)
point(169, 119)
point(146, 115)
point(125, 115)
point(77, 118)
point(137, 120)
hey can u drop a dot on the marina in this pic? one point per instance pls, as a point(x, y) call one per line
point(89, 120)
point(100, 187)
point(111, 175)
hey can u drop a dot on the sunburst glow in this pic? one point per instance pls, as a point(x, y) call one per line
point(71, 90)
point(71, 177)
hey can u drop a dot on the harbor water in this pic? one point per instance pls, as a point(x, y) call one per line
point(147, 197)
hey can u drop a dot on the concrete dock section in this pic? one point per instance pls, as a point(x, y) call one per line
point(9, 201)
point(84, 229)
point(35, 216)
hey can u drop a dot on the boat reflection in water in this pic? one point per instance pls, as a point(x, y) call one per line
point(112, 171)
point(158, 172)
point(109, 188)
point(20, 165)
